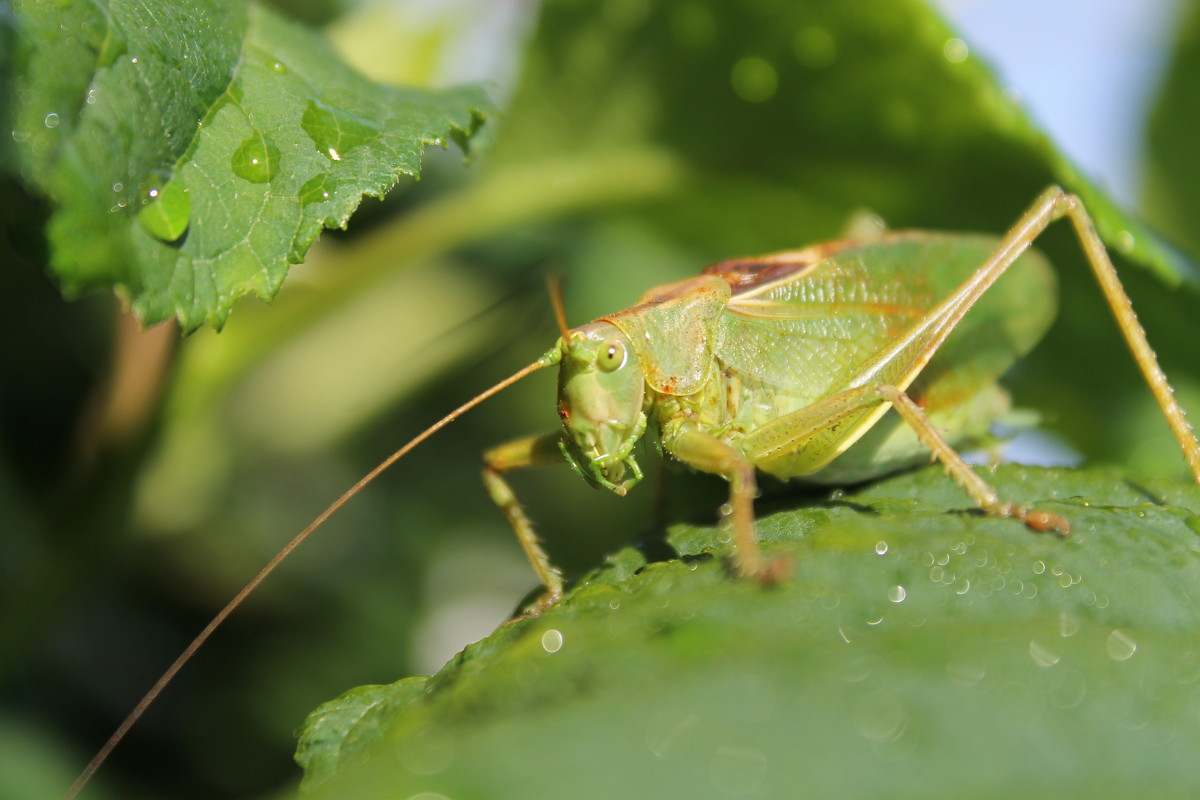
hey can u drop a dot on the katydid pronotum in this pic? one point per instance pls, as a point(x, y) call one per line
point(788, 364)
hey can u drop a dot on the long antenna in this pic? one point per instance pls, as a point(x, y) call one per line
point(554, 287)
point(229, 608)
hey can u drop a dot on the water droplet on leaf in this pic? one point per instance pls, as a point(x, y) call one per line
point(1124, 242)
point(317, 189)
point(1042, 656)
point(256, 160)
point(166, 216)
point(552, 640)
point(336, 132)
point(1120, 646)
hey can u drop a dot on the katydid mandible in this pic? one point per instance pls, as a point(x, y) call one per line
point(788, 364)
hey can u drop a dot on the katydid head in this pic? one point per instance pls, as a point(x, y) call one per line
point(600, 392)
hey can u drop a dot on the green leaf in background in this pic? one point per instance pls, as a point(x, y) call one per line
point(1173, 171)
point(197, 149)
point(917, 652)
point(796, 110)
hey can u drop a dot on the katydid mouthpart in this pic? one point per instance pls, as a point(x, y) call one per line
point(787, 364)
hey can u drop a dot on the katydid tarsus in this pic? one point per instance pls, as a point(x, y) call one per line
point(788, 364)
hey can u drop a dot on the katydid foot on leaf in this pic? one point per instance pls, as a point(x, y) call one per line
point(788, 364)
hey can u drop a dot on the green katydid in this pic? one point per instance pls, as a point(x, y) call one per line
point(788, 364)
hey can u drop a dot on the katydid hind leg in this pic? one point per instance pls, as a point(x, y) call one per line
point(1054, 204)
point(832, 424)
point(1135, 336)
point(525, 452)
point(980, 490)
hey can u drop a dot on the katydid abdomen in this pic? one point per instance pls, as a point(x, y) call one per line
point(783, 345)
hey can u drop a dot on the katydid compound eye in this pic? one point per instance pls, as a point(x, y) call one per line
point(612, 356)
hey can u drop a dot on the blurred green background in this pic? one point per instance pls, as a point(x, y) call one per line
point(143, 478)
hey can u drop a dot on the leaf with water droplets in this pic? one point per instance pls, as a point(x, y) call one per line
point(916, 639)
point(228, 100)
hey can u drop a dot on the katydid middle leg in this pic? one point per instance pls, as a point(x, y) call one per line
point(707, 453)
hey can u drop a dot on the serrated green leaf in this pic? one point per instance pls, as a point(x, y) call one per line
point(196, 150)
point(919, 650)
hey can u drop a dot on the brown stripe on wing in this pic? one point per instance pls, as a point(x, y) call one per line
point(744, 274)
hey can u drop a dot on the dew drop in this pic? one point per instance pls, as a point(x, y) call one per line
point(118, 187)
point(966, 673)
point(881, 548)
point(1120, 646)
point(317, 189)
point(955, 51)
point(1068, 625)
point(280, 67)
point(880, 717)
point(754, 79)
point(1070, 690)
point(552, 640)
point(1124, 241)
point(167, 213)
point(256, 159)
point(1042, 656)
point(51, 120)
point(336, 132)
point(896, 594)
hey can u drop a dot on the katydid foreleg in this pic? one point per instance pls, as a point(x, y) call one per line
point(526, 452)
